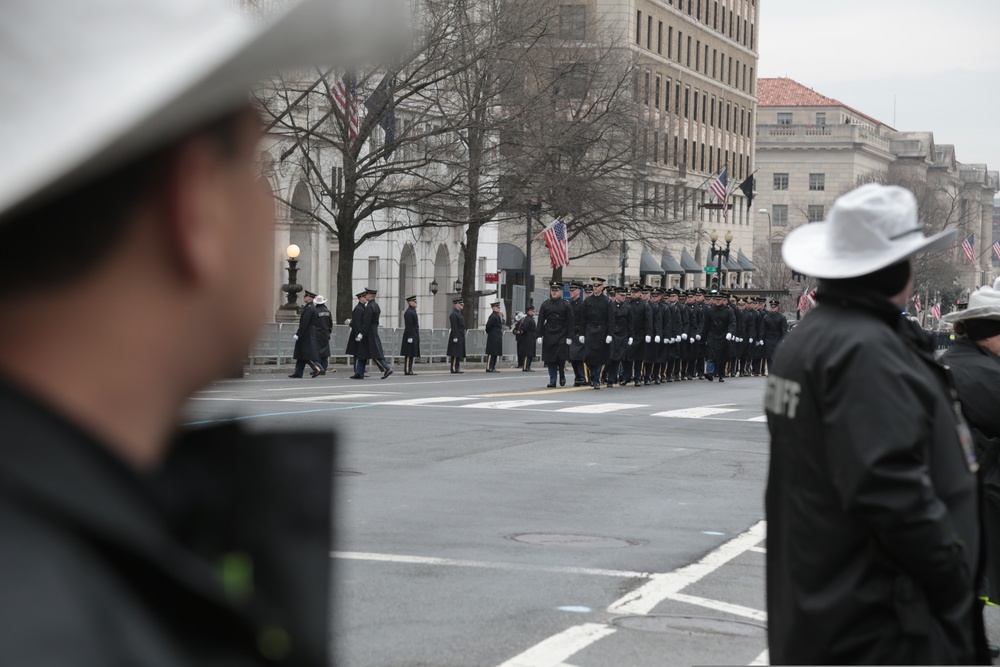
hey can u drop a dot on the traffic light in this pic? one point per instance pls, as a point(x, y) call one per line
point(715, 284)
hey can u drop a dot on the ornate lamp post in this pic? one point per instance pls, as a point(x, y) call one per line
point(289, 311)
point(720, 253)
point(434, 287)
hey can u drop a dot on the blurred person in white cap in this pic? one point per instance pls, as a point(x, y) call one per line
point(324, 331)
point(873, 546)
point(129, 174)
point(974, 363)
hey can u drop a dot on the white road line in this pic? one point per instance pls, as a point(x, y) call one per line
point(643, 599)
point(508, 405)
point(519, 567)
point(330, 398)
point(759, 550)
point(762, 418)
point(762, 659)
point(598, 408)
point(718, 605)
point(696, 413)
point(427, 401)
point(556, 649)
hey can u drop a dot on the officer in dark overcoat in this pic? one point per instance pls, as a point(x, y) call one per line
point(306, 351)
point(555, 324)
point(718, 331)
point(775, 327)
point(637, 351)
point(654, 328)
point(577, 349)
point(409, 348)
point(620, 369)
point(354, 347)
point(324, 330)
point(456, 336)
point(597, 330)
point(672, 334)
point(369, 329)
point(494, 337)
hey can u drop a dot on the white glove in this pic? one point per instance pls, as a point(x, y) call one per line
point(629, 341)
point(409, 340)
point(581, 339)
point(295, 336)
point(358, 338)
point(608, 340)
point(656, 339)
point(454, 340)
point(649, 338)
point(697, 337)
point(539, 342)
point(729, 336)
point(684, 336)
point(760, 343)
point(751, 340)
point(569, 341)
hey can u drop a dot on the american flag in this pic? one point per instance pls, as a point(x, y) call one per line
point(996, 249)
point(719, 187)
point(345, 97)
point(555, 239)
point(970, 254)
point(936, 311)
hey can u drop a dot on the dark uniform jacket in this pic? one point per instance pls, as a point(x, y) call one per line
point(621, 330)
point(578, 350)
point(775, 325)
point(873, 531)
point(555, 324)
point(354, 348)
point(524, 331)
point(369, 327)
point(719, 321)
point(103, 566)
point(638, 349)
point(976, 372)
point(323, 331)
point(456, 337)
point(494, 334)
point(654, 329)
point(306, 347)
point(598, 322)
point(411, 329)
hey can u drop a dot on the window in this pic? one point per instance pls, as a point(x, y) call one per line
point(659, 38)
point(574, 80)
point(784, 118)
point(694, 114)
point(656, 96)
point(815, 213)
point(697, 54)
point(670, 40)
point(645, 89)
point(780, 181)
point(649, 33)
point(638, 28)
point(779, 215)
point(820, 118)
point(666, 98)
point(687, 97)
point(688, 62)
point(680, 45)
point(573, 21)
point(817, 181)
point(656, 146)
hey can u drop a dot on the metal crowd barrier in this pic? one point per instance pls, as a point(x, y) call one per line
point(274, 344)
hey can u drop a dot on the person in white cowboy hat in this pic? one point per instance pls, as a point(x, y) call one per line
point(974, 362)
point(130, 174)
point(871, 502)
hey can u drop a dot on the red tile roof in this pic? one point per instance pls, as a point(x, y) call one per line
point(783, 92)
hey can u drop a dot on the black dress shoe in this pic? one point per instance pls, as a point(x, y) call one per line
point(293, 375)
point(551, 385)
point(458, 372)
point(357, 377)
point(562, 380)
point(722, 379)
point(597, 385)
point(387, 373)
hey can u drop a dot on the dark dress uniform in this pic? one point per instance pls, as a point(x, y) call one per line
point(673, 329)
point(354, 348)
point(775, 326)
point(621, 332)
point(555, 324)
point(597, 326)
point(524, 332)
point(578, 350)
point(306, 351)
point(638, 349)
point(411, 332)
point(324, 330)
point(873, 536)
point(719, 322)
point(654, 329)
point(494, 341)
point(456, 340)
point(371, 338)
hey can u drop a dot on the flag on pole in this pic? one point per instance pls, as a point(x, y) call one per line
point(345, 98)
point(996, 249)
point(936, 311)
point(555, 239)
point(719, 187)
point(970, 254)
point(916, 302)
point(747, 187)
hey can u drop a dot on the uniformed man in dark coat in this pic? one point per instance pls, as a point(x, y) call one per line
point(578, 349)
point(306, 350)
point(873, 531)
point(775, 327)
point(699, 345)
point(370, 336)
point(524, 332)
point(456, 336)
point(718, 330)
point(354, 348)
point(621, 338)
point(637, 351)
point(409, 348)
point(324, 329)
point(555, 325)
point(654, 329)
point(494, 338)
point(671, 334)
point(597, 330)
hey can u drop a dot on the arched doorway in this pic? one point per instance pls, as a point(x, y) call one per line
point(407, 278)
point(442, 275)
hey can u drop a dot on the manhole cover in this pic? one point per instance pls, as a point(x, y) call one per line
point(557, 540)
point(343, 473)
point(701, 625)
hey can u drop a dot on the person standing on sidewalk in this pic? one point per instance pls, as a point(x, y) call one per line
point(354, 338)
point(456, 336)
point(494, 338)
point(306, 349)
point(872, 506)
point(410, 347)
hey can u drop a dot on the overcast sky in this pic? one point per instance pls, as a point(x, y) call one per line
point(917, 65)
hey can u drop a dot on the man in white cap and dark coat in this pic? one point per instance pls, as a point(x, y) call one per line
point(306, 350)
point(323, 329)
point(775, 328)
point(873, 538)
point(974, 362)
point(456, 336)
point(409, 349)
point(131, 156)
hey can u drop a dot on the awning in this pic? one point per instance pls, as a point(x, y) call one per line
point(669, 264)
point(745, 262)
point(648, 265)
point(732, 265)
point(509, 257)
point(688, 263)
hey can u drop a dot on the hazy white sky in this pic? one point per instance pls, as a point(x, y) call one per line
point(918, 65)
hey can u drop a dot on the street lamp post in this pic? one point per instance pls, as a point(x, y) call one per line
point(289, 311)
point(720, 253)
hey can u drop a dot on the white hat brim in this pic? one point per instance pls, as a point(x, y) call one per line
point(807, 250)
point(985, 313)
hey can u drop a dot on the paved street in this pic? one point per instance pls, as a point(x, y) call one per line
point(486, 520)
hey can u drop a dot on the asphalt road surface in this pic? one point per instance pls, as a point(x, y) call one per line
point(484, 520)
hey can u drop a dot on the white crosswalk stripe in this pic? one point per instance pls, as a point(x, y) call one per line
point(598, 408)
point(697, 413)
point(508, 405)
point(326, 399)
point(427, 401)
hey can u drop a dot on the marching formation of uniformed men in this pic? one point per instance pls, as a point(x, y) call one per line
point(644, 335)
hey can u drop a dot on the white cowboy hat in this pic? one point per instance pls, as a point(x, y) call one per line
point(869, 228)
point(88, 84)
point(984, 304)
point(319, 300)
